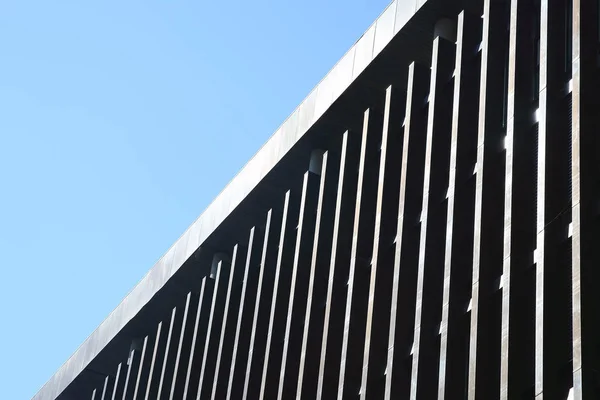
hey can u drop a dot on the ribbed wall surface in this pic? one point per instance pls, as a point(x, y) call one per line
point(445, 244)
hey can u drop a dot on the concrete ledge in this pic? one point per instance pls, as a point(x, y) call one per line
point(350, 66)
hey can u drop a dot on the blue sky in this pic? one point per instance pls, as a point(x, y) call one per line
point(120, 121)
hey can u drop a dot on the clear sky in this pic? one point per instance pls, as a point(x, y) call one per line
point(120, 121)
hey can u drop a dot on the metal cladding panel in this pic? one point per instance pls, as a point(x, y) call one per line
point(404, 11)
point(341, 75)
point(324, 94)
point(411, 248)
point(384, 28)
point(306, 117)
point(364, 51)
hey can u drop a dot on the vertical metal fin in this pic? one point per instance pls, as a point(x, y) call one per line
point(209, 329)
point(224, 324)
point(376, 240)
point(313, 266)
point(263, 262)
point(141, 367)
point(194, 338)
point(354, 252)
point(240, 314)
point(180, 345)
point(336, 228)
point(293, 286)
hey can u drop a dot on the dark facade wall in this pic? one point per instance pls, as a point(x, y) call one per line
point(443, 243)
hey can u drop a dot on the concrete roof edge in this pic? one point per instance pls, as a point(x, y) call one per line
point(337, 80)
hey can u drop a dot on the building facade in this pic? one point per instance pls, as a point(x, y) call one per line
point(425, 225)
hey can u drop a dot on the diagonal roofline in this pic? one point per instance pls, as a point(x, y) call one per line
point(322, 96)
